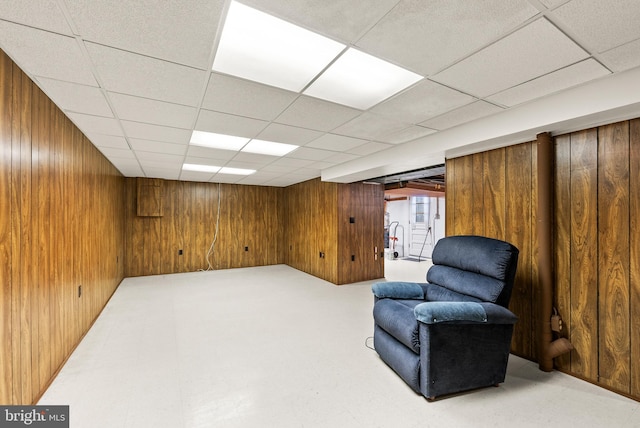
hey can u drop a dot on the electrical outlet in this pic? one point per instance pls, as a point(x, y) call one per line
point(79, 291)
point(353, 257)
point(179, 252)
point(246, 248)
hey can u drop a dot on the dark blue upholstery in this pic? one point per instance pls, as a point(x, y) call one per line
point(456, 334)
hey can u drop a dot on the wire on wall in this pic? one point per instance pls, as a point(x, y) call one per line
point(215, 235)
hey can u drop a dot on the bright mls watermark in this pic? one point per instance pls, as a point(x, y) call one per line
point(34, 416)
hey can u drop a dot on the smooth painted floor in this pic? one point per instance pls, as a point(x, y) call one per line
point(274, 347)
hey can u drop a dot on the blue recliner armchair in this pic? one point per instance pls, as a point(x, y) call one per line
point(452, 333)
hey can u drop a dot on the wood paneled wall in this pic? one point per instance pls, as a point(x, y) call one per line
point(361, 243)
point(495, 194)
point(596, 239)
point(250, 217)
point(318, 220)
point(311, 228)
point(61, 227)
point(598, 245)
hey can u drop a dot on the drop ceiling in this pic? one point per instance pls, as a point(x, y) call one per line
point(136, 77)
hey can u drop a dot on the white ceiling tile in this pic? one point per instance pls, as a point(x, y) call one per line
point(310, 154)
point(253, 158)
point(130, 171)
point(228, 124)
point(460, 115)
point(148, 131)
point(77, 98)
point(426, 36)
point(158, 159)
point(345, 20)
point(169, 30)
point(407, 134)
point(532, 51)
point(284, 181)
point(422, 101)
point(159, 172)
point(243, 165)
point(623, 57)
point(562, 79)
point(128, 162)
point(601, 24)
point(288, 134)
point(45, 54)
point(278, 169)
point(340, 158)
point(226, 178)
point(95, 124)
point(209, 153)
point(43, 14)
point(157, 147)
point(319, 166)
point(155, 112)
point(228, 94)
point(142, 76)
point(552, 3)
point(259, 178)
point(118, 154)
point(368, 148)
point(307, 112)
point(337, 143)
point(370, 126)
point(113, 141)
point(288, 162)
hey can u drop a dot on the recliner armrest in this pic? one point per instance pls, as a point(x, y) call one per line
point(398, 290)
point(463, 312)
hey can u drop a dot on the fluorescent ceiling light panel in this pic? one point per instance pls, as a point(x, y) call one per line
point(200, 168)
point(236, 171)
point(260, 47)
point(361, 80)
point(217, 141)
point(269, 148)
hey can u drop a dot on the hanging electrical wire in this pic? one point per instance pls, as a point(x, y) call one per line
point(215, 235)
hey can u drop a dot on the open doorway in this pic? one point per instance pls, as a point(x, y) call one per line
point(414, 213)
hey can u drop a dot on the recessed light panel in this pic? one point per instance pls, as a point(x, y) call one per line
point(200, 168)
point(260, 47)
point(217, 141)
point(361, 80)
point(236, 171)
point(268, 148)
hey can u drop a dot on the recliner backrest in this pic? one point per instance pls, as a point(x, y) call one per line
point(475, 266)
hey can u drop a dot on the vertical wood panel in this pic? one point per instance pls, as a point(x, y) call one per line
point(613, 256)
point(21, 236)
point(6, 106)
point(535, 279)
point(494, 193)
point(584, 250)
point(518, 230)
point(477, 213)
point(464, 195)
point(41, 143)
point(562, 239)
point(449, 200)
point(634, 206)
